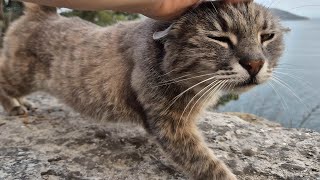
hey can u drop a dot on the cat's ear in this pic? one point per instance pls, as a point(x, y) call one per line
point(162, 34)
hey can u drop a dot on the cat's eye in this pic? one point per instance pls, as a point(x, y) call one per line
point(267, 37)
point(222, 39)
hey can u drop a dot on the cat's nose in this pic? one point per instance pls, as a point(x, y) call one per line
point(252, 66)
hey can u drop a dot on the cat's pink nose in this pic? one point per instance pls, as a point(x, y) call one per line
point(252, 66)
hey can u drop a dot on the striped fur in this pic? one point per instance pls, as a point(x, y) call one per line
point(121, 73)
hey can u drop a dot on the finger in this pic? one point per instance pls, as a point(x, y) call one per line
point(189, 3)
point(237, 1)
point(198, 3)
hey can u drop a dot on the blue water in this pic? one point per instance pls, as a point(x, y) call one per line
point(299, 71)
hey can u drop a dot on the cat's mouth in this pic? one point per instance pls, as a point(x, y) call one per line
point(249, 83)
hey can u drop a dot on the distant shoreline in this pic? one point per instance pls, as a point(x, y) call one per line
point(287, 16)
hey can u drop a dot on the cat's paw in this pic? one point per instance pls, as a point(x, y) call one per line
point(228, 176)
point(26, 104)
point(18, 111)
point(29, 106)
point(231, 177)
point(222, 177)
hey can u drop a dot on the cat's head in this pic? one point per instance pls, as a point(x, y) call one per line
point(234, 46)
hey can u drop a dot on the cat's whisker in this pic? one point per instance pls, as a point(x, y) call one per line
point(165, 74)
point(164, 83)
point(304, 6)
point(174, 70)
point(288, 64)
point(215, 88)
point(211, 84)
point(273, 3)
point(230, 87)
point(293, 69)
point(282, 100)
point(213, 92)
point(181, 94)
point(214, 7)
point(288, 87)
point(298, 79)
point(181, 80)
point(208, 91)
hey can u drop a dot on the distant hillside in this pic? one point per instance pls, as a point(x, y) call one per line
point(284, 15)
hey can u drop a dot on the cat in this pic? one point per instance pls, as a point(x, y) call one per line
point(161, 75)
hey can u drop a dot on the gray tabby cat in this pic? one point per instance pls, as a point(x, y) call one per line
point(157, 74)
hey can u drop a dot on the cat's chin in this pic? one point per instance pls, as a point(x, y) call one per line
point(243, 89)
point(246, 85)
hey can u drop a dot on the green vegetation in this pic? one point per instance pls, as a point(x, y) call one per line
point(9, 12)
point(227, 98)
point(102, 18)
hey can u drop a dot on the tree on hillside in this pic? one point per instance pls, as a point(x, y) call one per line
point(10, 10)
point(102, 18)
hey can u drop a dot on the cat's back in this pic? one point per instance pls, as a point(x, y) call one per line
point(42, 28)
point(42, 31)
point(76, 61)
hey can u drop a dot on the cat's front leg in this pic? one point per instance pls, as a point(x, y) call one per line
point(11, 105)
point(184, 145)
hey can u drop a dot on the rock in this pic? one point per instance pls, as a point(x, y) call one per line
point(250, 151)
point(57, 143)
point(2, 123)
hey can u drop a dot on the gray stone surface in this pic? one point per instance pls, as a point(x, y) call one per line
point(55, 143)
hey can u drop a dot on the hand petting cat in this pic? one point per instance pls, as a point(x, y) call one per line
point(156, 9)
point(171, 9)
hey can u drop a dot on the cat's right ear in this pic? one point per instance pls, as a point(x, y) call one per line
point(161, 35)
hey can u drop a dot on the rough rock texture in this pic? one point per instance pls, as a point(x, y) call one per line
point(56, 143)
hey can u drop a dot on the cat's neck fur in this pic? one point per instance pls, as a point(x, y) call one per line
point(137, 45)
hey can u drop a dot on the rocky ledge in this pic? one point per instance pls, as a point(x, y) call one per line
point(53, 143)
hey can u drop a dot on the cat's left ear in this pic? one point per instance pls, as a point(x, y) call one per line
point(162, 34)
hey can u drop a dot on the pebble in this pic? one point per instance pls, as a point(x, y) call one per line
point(250, 151)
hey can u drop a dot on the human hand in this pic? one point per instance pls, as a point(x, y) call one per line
point(156, 9)
point(236, 1)
point(171, 9)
